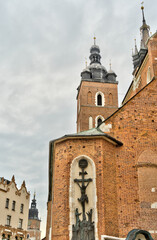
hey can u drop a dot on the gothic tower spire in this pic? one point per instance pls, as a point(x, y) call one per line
point(144, 30)
point(138, 57)
point(97, 96)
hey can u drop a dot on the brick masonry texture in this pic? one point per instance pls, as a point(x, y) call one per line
point(101, 152)
point(135, 124)
point(126, 176)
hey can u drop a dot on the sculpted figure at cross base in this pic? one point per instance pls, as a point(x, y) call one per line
point(83, 229)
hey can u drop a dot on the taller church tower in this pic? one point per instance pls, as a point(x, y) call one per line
point(97, 96)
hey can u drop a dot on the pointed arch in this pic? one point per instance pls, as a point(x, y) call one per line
point(110, 99)
point(74, 193)
point(99, 99)
point(98, 120)
point(89, 97)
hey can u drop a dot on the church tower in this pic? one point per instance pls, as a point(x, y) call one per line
point(34, 222)
point(97, 96)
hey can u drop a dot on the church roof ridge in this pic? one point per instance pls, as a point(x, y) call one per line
point(94, 132)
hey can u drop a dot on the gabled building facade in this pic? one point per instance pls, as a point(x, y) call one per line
point(13, 210)
point(103, 180)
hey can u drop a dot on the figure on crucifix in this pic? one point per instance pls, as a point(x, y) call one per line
point(83, 230)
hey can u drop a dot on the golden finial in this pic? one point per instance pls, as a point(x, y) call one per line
point(142, 7)
point(34, 194)
point(110, 64)
point(135, 40)
point(85, 62)
point(94, 40)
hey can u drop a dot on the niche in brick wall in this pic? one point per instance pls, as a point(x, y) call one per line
point(74, 192)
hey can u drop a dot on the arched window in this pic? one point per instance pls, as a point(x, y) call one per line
point(89, 98)
point(99, 99)
point(98, 120)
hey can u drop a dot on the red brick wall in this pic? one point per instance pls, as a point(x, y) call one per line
point(102, 153)
point(135, 124)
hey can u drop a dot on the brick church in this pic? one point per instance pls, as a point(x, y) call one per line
point(103, 179)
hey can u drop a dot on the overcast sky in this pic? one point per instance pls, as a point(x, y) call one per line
point(43, 46)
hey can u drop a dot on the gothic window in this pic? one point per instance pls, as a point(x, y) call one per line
point(99, 119)
point(110, 99)
point(148, 75)
point(99, 99)
point(89, 98)
point(90, 122)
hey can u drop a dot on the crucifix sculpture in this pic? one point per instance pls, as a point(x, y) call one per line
point(83, 184)
point(83, 230)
